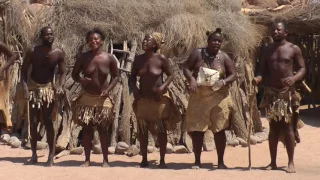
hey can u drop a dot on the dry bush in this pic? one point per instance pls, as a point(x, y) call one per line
point(183, 22)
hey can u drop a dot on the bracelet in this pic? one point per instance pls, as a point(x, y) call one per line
point(224, 82)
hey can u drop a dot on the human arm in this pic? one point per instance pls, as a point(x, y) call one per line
point(261, 71)
point(167, 69)
point(188, 67)
point(133, 79)
point(77, 70)
point(12, 59)
point(230, 71)
point(115, 77)
point(298, 60)
point(24, 72)
point(62, 72)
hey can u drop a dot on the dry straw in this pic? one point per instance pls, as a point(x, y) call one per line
point(183, 23)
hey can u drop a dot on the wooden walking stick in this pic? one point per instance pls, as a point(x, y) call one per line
point(250, 127)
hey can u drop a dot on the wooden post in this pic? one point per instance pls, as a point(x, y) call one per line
point(124, 126)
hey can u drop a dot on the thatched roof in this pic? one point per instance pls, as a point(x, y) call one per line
point(301, 20)
point(183, 22)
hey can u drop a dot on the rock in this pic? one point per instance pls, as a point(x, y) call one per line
point(41, 145)
point(15, 144)
point(208, 141)
point(233, 142)
point(133, 151)
point(180, 149)
point(97, 149)
point(253, 140)
point(242, 142)
point(151, 149)
point(77, 151)
point(16, 135)
point(28, 145)
point(13, 139)
point(122, 147)
point(169, 148)
point(5, 138)
point(61, 154)
point(111, 150)
point(209, 146)
point(262, 135)
point(259, 139)
point(188, 142)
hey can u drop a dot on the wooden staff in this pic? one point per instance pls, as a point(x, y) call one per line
point(250, 128)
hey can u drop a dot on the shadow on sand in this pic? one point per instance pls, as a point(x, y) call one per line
point(311, 116)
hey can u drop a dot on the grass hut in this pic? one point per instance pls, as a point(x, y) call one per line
point(183, 23)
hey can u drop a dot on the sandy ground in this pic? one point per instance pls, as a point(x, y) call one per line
point(307, 160)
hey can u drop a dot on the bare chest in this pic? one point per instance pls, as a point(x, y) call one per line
point(96, 65)
point(281, 57)
point(44, 60)
point(152, 67)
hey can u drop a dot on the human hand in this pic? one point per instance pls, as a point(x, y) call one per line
point(192, 86)
point(217, 85)
point(289, 81)
point(85, 81)
point(256, 80)
point(105, 93)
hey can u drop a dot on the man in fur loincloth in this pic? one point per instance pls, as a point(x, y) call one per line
point(209, 107)
point(41, 91)
point(281, 101)
point(153, 105)
point(94, 107)
point(5, 121)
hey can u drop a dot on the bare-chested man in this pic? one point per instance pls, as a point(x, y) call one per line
point(280, 100)
point(153, 106)
point(94, 106)
point(5, 122)
point(40, 89)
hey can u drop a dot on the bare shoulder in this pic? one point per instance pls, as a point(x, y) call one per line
point(197, 51)
point(59, 51)
point(295, 48)
point(162, 57)
point(224, 55)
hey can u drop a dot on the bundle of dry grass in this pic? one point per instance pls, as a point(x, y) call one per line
point(183, 22)
point(300, 19)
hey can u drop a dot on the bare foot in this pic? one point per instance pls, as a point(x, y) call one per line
point(105, 164)
point(49, 163)
point(33, 160)
point(85, 164)
point(271, 167)
point(196, 166)
point(144, 164)
point(162, 165)
point(291, 168)
point(222, 166)
point(297, 136)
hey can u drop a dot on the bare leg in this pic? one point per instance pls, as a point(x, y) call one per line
point(290, 145)
point(34, 115)
point(273, 145)
point(163, 148)
point(51, 138)
point(87, 143)
point(143, 138)
point(295, 118)
point(220, 141)
point(103, 133)
point(197, 141)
